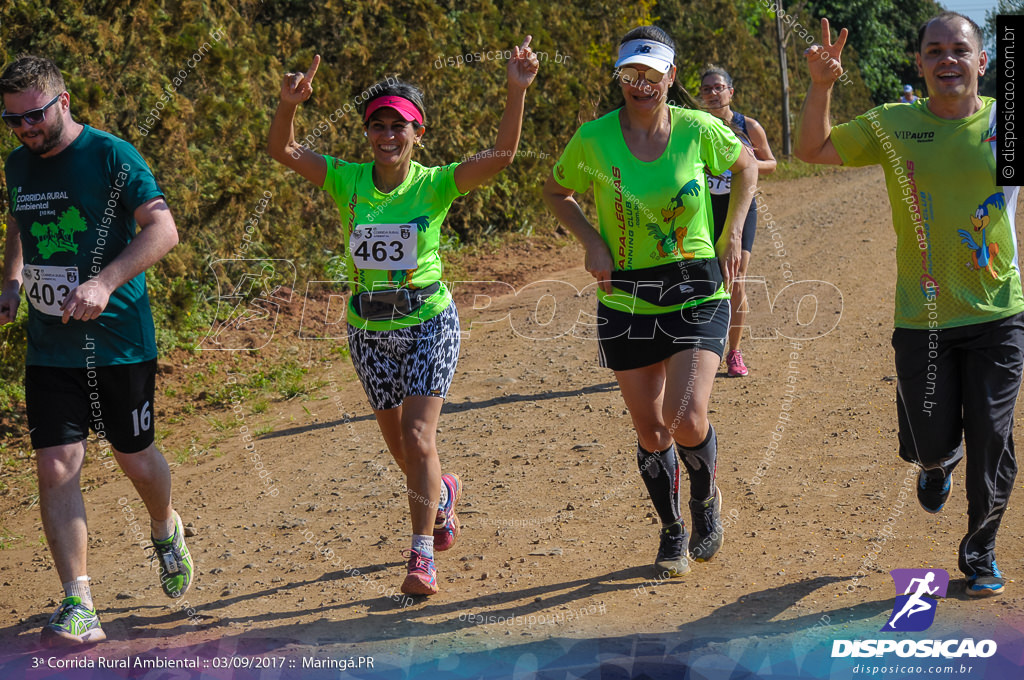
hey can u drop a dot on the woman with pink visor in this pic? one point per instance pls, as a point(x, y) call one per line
point(403, 327)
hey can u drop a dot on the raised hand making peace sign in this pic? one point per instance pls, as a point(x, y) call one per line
point(296, 87)
point(824, 61)
point(482, 167)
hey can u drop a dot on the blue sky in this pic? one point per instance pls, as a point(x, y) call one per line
point(975, 9)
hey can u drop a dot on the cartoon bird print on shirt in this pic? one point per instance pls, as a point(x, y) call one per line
point(670, 241)
point(982, 254)
point(402, 277)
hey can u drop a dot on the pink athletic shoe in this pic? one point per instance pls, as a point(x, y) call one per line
point(421, 578)
point(734, 362)
point(446, 526)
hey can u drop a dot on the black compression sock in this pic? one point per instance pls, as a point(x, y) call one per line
point(701, 462)
point(660, 472)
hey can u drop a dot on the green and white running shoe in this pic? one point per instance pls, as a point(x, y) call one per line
point(72, 624)
point(176, 567)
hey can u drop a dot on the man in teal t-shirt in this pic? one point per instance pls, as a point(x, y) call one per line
point(77, 196)
point(959, 337)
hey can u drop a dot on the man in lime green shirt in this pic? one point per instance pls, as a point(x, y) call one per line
point(959, 337)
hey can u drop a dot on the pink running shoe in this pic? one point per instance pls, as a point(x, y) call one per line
point(446, 526)
point(734, 362)
point(421, 578)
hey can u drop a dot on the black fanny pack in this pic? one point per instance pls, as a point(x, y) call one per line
point(671, 284)
point(392, 303)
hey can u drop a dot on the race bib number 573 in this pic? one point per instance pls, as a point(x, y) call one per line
point(720, 184)
point(47, 286)
point(383, 246)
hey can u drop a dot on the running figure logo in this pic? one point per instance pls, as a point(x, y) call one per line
point(915, 608)
point(59, 237)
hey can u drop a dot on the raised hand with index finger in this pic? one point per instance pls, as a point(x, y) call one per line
point(824, 60)
point(296, 87)
point(523, 66)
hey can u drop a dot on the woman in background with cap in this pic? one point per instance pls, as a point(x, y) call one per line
point(716, 91)
point(662, 308)
point(403, 327)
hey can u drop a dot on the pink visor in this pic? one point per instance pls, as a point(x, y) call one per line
point(405, 108)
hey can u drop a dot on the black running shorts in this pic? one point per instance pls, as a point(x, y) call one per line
point(115, 401)
point(627, 341)
point(719, 209)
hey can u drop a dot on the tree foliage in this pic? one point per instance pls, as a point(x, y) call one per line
point(1005, 7)
point(202, 125)
point(884, 34)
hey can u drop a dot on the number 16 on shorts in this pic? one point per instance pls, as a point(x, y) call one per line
point(384, 246)
point(142, 420)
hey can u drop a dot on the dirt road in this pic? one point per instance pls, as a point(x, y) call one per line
point(552, 575)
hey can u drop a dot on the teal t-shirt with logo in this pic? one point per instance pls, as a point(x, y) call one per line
point(75, 212)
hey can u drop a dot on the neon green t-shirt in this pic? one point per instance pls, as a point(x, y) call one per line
point(651, 213)
point(956, 247)
point(391, 240)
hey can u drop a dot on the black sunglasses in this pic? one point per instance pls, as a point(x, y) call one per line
point(33, 117)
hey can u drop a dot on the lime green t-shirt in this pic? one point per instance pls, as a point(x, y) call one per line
point(956, 247)
point(391, 240)
point(651, 213)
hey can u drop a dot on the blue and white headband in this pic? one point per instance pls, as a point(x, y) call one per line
point(647, 52)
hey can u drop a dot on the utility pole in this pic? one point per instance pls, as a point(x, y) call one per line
point(787, 146)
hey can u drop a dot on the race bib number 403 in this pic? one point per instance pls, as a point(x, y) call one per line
point(47, 286)
point(383, 246)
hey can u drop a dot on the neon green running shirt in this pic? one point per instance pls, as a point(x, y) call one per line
point(956, 246)
point(653, 213)
point(391, 240)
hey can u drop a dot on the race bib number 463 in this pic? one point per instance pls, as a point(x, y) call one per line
point(383, 246)
point(47, 286)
